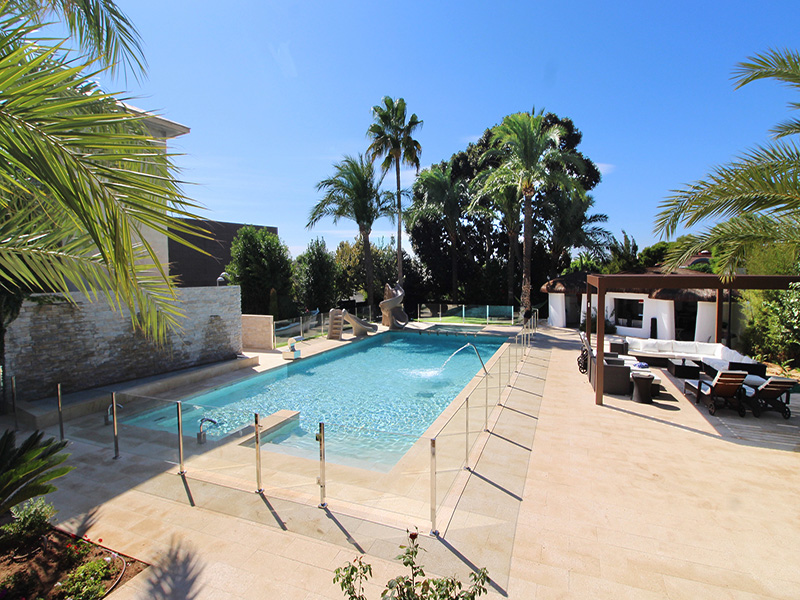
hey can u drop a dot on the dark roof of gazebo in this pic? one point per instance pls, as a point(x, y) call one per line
point(571, 283)
point(575, 283)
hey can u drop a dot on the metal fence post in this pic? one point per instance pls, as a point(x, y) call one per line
point(321, 478)
point(60, 414)
point(259, 487)
point(487, 314)
point(486, 401)
point(14, 401)
point(466, 435)
point(434, 531)
point(182, 470)
point(114, 420)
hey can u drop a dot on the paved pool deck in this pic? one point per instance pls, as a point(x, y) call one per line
point(565, 499)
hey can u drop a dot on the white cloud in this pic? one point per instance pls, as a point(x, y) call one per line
point(606, 168)
point(283, 57)
point(470, 139)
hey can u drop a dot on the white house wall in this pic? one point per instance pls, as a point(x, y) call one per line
point(557, 310)
point(705, 328)
point(661, 310)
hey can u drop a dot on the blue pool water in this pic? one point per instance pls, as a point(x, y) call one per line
point(376, 397)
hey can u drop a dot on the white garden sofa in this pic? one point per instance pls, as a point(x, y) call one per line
point(714, 357)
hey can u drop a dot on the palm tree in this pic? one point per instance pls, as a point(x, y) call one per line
point(354, 193)
point(533, 161)
point(443, 196)
point(81, 180)
point(102, 30)
point(571, 227)
point(758, 195)
point(391, 139)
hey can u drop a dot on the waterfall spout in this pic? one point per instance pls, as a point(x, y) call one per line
point(467, 345)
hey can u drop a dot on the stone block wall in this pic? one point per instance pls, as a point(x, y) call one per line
point(258, 332)
point(88, 344)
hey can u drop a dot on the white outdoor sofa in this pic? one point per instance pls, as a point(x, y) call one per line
point(713, 357)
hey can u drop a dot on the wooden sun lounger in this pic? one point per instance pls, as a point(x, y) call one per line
point(726, 388)
point(768, 396)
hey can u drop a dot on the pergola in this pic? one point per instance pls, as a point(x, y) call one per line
point(604, 283)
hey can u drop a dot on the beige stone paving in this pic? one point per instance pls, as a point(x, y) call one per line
point(618, 501)
point(628, 500)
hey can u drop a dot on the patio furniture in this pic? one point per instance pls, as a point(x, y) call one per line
point(642, 386)
point(769, 395)
point(683, 368)
point(725, 388)
point(712, 357)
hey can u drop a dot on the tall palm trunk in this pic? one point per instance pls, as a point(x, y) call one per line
point(454, 267)
point(513, 241)
point(527, 252)
point(399, 224)
point(368, 264)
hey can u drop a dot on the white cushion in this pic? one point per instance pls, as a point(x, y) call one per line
point(649, 345)
point(664, 345)
point(707, 349)
point(717, 363)
point(730, 355)
point(634, 343)
point(684, 348)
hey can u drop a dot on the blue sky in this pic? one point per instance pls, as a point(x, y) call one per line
point(276, 92)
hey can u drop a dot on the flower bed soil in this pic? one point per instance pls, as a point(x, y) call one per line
point(33, 572)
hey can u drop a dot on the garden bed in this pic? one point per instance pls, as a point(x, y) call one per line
point(58, 565)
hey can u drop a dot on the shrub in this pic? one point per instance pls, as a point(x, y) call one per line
point(87, 582)
point(74, 553)
point(31, 521)
point(352, 577)
point(27, 469)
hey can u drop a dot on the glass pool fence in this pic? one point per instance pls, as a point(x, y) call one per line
point(422, 489)
point(475, 314)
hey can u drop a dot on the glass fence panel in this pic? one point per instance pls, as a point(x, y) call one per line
point(454, 444)
point(314, 326)
point(285, 329)
point(136, 431)
point(479, 314)
point(501, 314)
point(427, 312)
point(382, 475)
point(368, 313)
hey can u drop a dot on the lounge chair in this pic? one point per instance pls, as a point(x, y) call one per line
point(768, 396)
point(726, 388)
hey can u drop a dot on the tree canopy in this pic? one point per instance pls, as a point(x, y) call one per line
point(260, 263)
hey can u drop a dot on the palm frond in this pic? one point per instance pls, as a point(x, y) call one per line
point(82, 181)
point(765, 179)
point(783, 65)
point(103, 31)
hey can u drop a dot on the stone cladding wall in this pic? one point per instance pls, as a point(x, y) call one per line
point(88, 344)
point(258, 332)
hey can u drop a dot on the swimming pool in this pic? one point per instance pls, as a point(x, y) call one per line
point(376, 397)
